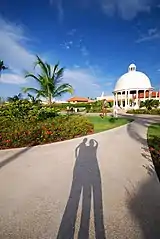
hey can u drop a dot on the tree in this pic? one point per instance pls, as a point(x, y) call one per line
point(33, 99)
point(15, 98)
point(2, 67)
point(49, 80)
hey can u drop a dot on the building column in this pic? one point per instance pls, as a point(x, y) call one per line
point(137, 99)
point(144, 98)
point(156, 95)
point(129, 98)
point(116, 99)
point(150, 94)
point(121, 100)
point(114, 102)
point(126, 99)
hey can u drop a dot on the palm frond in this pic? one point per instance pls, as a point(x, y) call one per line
point(42, 65)
point(31, 89)
point(56, 67)
point(32, 76)
point(64, 88)
point(49, 69)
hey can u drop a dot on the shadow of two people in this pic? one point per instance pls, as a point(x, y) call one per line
point(86, 179)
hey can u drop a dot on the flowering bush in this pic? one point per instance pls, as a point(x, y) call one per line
point(30, 131)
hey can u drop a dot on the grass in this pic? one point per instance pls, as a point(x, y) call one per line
point(106, 123)
point(154, 145)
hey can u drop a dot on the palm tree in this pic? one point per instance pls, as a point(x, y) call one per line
point(15, 98)
point(149, 104)
point(33, 99)
point(49, 80)
point(2, 67)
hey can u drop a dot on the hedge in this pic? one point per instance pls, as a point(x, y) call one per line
point(145, 111)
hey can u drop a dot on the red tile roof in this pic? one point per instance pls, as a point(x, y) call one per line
point(78, 99)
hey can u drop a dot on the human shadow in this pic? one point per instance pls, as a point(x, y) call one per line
point(86, 179)
point(144, 205)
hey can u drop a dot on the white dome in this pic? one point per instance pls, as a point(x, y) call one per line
point(133, 80)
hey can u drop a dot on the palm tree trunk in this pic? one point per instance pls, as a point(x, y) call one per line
point(50, 99)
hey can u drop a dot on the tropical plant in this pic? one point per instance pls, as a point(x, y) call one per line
point(49, 80)
point(155, 103)
point(15, 98)
point(142, 104)
point(2, 67)
point(149, 104)
point(33, 99)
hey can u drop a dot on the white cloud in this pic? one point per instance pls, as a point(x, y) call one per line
point(83, 82)
point(67, 45)
point(109, 83)
point(152, 34)
point(84, 51)
point(12, 79)
point(72, 32)
point(127, 9)
point(13, 51)
point(59, 5)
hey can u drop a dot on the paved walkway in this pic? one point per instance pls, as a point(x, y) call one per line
point(68, 190)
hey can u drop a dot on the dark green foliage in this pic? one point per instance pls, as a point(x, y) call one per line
point(142, 104)
point(153, 137)
point(24, 109)
point(15, 98)
point(113, 119)
point(149, 104)
point(145, 111)
point(94, 107)
point(2, 66)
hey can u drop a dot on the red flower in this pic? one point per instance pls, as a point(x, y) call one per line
point(48, 132)
point(151, 149)
point(8, 141)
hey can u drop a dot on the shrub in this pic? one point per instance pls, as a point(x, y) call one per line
point(113, 120)
point(145, 111)
point(24, 109)
point(22, 133)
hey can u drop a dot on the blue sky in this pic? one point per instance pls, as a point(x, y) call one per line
point(95, 40)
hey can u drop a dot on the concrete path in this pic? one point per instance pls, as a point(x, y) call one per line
point(68, 190)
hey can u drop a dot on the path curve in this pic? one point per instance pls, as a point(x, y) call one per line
point(46, 192)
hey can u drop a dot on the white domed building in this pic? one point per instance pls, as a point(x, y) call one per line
point(131, 88)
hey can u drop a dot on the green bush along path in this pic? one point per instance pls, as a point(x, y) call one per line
point(154, 145)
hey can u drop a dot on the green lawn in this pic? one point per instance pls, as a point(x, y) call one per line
point(154, 145)
point(106, 123)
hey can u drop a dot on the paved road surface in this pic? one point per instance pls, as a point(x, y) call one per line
point(67, 190)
